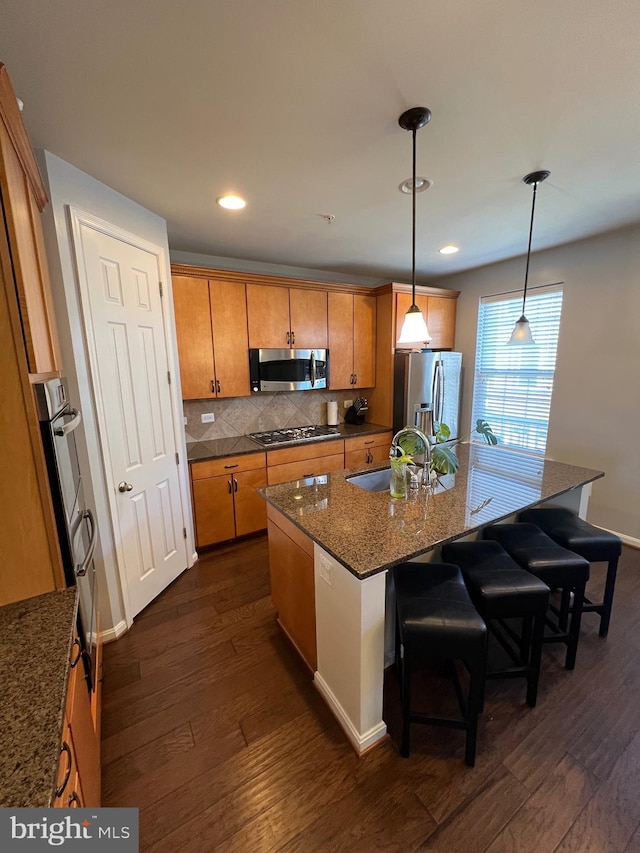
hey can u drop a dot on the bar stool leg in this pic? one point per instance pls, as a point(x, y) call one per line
point(537, 635)
point(565, 607)
point(475, 703)
point(607, 602)
point(574, 626)
point(405, 696)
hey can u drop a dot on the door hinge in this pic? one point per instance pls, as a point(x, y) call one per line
point(169, 377)
point(184, 532)
point(177, 459)
point(161, 289)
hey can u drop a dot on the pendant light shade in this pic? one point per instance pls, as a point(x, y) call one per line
point(414, 327)
point(521, 331)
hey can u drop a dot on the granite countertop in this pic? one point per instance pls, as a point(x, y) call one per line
point(35, 647)
point(198, 451)
point(369, 532)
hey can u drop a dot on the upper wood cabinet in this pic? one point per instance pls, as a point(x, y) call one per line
point(439, 313)
point(281, 317)
point(211, 329)
point(23, 198)
point(352, 340)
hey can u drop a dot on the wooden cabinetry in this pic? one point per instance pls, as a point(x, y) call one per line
point(439, 313)
point(31, 562)
point(292, 584)
point(309, 460)
point(281, 317)
point(352, 340)
point(78, 782)
point(211, 329)
point(367, 449)
point(225, 501)
point(393, 300)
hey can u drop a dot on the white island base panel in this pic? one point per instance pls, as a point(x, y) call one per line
point(350, 634)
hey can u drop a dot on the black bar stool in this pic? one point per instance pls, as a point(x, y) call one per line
point(501, 590)
point(556, 566)
point(436, 621)
point(592, 543)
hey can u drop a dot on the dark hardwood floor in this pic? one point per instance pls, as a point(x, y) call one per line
point(212, 727)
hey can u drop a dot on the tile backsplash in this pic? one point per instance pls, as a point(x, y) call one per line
point(242, 415)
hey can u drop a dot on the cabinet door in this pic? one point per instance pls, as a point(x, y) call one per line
point(85, 741)
point(403, 303)
point(293, 590)
point(29, 260)
point(340, 315)
point(441, 321)
point(250, 508)
point(230, 342)
point(364, 341)
point(308, 312)
point(193, 332)
point(213, 510)
point(268, 316)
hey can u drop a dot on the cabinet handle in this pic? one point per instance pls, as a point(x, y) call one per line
point(213, 386)
point(369, 442)
point(235, 485)
point(74, 798)
point(67, 773)
point(235, 465)
point(293, 338)
point(288, 337)
point(355, 378)
point(308, 475)
point(229, 486)
point(369, 456)
point(218, 385)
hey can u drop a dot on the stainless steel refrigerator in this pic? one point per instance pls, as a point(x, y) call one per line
point(426, 388)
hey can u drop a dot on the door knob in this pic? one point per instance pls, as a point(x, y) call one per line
point(124, 487)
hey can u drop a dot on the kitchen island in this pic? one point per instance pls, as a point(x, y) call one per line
point(332, 543)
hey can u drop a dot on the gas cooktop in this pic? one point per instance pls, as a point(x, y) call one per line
point(285, 436)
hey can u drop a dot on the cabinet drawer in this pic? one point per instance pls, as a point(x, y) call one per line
point(227, 465)
point(305, 468)
point(367, 456)
point(362, 442)
point(313, 450)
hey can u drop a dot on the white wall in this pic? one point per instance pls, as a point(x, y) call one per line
point(595, 413)
point(69, 186)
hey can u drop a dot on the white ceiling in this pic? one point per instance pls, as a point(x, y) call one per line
point(294, 105)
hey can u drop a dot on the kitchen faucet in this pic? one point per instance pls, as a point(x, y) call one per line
point(397, 450)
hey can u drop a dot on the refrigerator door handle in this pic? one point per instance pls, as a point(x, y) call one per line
point(436, 395)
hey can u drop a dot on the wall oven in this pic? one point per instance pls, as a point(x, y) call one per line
point(77, 532)
point(288, 369)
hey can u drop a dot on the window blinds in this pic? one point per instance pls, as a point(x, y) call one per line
point(513, 384)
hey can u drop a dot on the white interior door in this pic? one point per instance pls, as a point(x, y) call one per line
point(130, 374)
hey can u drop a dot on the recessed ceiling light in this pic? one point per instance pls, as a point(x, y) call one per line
point(231, 202)
point(449, 250)
point(422, 184)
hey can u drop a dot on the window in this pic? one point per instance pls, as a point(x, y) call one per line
point(513, 384)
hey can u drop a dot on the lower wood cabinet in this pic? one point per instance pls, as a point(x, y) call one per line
point(78, 781)
point(292, 584)
point(309, 460)
point(367, 449)
point(225, 501)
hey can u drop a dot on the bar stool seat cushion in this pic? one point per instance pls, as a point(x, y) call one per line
point(572, 532)
point(498, 586)
point(538, 553)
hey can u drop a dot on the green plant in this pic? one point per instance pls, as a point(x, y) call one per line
point(484, 429)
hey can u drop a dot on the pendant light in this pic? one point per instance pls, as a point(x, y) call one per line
point(414, 327)
point(521, 331)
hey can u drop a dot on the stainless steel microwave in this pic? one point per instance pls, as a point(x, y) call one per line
point(288, 369)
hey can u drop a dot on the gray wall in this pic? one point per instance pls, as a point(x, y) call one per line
point(595, 410)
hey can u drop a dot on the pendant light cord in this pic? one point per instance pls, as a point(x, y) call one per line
point(413, 236)
point(526, 273)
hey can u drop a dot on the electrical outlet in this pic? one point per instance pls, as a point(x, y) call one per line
point(325, 571)
point(348, 403)
point(185, 420)
point(207, 418)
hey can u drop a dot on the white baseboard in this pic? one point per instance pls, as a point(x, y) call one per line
point(629, 540)
point(112, 634)
point(360, 742)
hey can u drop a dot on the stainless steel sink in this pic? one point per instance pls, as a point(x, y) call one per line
point(372, 481)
